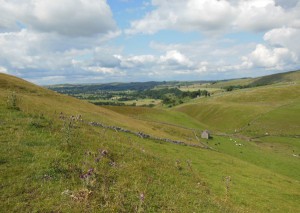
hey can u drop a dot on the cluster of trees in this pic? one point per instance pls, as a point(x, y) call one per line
point(109, 103)
point(195, 94)
point(234, 87)
point(174, 96)
point(162, 93)
point(158, 93)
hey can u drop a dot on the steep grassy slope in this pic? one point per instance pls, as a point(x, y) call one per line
point(54, 164)
point(46, 168)
point(48, 163)
point(238, 110)
point(44, 99)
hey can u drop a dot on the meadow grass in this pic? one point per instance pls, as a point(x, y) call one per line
point(237, 110)
point(50, 162)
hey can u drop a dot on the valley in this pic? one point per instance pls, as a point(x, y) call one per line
point(53, 160)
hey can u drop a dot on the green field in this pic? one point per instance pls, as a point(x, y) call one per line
point(52, 162)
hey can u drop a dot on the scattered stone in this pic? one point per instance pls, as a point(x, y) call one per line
point(144, 136)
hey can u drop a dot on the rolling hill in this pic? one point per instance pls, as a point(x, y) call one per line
point(53, 160)
point(286, 77)
point(253, 111)
point(293, 76)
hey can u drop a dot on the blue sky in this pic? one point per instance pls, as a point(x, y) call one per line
point(91, 41)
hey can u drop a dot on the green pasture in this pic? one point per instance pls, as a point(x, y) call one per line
point(50, 162)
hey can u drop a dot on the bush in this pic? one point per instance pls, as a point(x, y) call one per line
point(13, 101)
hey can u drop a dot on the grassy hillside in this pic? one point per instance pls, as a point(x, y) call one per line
point(293, 76)
point(158, 115)
point(50, 162)
point(242, 82)
point(258, 110)
point(287, 77)
point(48, 102)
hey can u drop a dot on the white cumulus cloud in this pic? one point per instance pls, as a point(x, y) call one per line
point(281, 51)
point(285, 37)
point(3, 70)
point(176, 58)
point(72, 40)
point(65, 17)
point(207, 15)
point(260, 15)
point(220, 16)
point(269, 58)
point(56, 40)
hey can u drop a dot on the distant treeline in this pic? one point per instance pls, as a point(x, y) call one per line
point(108, 103)
point(234, 87)
point(172, 96)
point(111, 103)
point(161, 93)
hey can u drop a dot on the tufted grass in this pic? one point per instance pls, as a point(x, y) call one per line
point(44, 162)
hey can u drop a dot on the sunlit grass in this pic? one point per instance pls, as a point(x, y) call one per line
point(50, 162)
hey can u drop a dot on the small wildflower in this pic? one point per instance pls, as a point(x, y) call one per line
point(90, 171)
point(83, 176)
point(104, 152)
point(142, 197)
point(112, 163)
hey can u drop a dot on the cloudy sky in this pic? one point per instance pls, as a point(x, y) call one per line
point(88, 41)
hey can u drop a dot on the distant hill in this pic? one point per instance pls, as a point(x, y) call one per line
point(137, 86)
point(292, 76)
point(270, 108)
point(67, 88)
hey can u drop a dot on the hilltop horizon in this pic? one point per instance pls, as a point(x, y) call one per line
point(162, 80)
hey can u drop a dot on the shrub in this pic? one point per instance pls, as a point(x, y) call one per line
point(13, 101)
